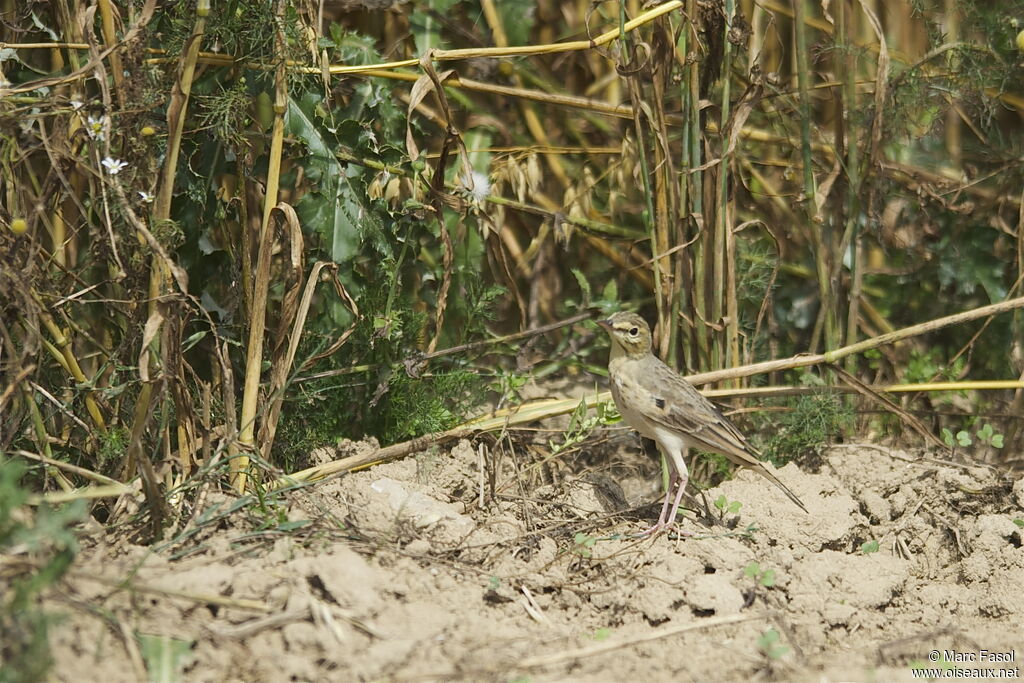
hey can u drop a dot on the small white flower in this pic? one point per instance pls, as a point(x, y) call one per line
point(76, 104)
point(94, 127)
point(113, 166)
point(146, 197)
point(481, 186)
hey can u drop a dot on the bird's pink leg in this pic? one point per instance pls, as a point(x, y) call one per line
point(682, 479)
point(663, 518)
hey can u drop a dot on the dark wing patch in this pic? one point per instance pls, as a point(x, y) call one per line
point(700, 419)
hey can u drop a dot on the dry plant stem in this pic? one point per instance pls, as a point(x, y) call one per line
point(80, 471)
point(970, 385)
point(67, 354)
point(257, 321)
point(131, 645)
point(13, 386)
point(110, 39)
point(159, 271)
point(618, 644)
point(720, 237)
point(666, 202)
point(87, 493)
point(701, 354)
point(804, 360)
point(816, 231)
point(395, 451)
point(530, 118)
point(846, 65)
point(462, 348)
point(282, 368)
point(208, 598)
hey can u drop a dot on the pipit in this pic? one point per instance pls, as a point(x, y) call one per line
point(656, 401)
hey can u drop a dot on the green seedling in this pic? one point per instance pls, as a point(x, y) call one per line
point(988, 436)
point(726, 506)
point(601, 634)
point(582, 543)
point(962, 438)
point(869, 547)
point(770, 645)
point(764, 577)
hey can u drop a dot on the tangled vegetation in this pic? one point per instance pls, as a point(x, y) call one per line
point(231, 234)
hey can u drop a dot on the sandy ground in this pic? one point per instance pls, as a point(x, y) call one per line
point(400, 573)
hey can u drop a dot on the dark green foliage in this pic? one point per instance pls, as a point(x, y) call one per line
point(811, 421)
point(417, 406)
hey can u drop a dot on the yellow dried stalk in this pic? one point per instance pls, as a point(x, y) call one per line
point(87, 493)
point(110, 40)
point(257, 321)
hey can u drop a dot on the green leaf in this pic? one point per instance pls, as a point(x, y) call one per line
point(985, 433)
point(602, 634)
point(584, 540)
point(1019, 522)
point(963, 438)
point(581, 280)
point(193, 340)
point(997, 440)
point(869, 547)
point(752, 570)
point(734, 507)
point(425, 24)
point(768, 578)
point(721, 502)
point(610, 293)
point(334, 209)
point(947, 437)
point(165, 657)
point(517, 18)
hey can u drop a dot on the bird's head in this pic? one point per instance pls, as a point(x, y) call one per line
point(630, 334)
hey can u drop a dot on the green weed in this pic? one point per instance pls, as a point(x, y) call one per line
point(40, 547)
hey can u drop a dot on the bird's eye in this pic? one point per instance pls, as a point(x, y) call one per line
point(633, 331)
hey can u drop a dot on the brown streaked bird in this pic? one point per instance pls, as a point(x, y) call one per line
point(656, 401)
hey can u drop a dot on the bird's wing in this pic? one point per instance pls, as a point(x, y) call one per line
point(675, 404)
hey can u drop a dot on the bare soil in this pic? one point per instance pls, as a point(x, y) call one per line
point(399, 573)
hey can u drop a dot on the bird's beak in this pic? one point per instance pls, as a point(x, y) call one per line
point(606, 324)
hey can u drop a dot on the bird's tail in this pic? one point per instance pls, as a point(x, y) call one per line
point(785, 489)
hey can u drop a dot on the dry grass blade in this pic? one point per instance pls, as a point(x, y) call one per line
point(282, 365)
point(655, 634)
point(87, 493)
